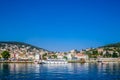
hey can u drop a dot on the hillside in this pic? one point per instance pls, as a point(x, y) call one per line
point(20, 45)
point(117, 45)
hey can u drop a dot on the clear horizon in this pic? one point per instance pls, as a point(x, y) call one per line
point(60, 25)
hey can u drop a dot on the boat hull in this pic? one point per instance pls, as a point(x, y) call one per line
point(55, 62)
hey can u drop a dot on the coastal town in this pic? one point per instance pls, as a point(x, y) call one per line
point(22, 52)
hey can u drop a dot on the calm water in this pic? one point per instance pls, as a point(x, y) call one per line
point(85, 71)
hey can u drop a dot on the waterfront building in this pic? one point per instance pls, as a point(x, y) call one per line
point(37, 56)
point(60, 56)
point(80, 56)
point(69, 56)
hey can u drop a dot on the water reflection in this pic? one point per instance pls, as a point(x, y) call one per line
point(87, 71)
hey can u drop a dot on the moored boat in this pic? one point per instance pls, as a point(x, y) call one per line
point(55, 61)
point(103, 62)
point(35, 62)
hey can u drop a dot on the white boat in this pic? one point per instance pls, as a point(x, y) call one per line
point(55, 61)
point(103, 62)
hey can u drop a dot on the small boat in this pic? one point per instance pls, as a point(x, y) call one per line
point(103, 62)
point(99, 61)
point(36, 62)
point(55, 61)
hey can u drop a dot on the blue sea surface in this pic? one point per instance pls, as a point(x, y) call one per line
point(70, 71)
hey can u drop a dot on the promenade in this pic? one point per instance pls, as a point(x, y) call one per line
point(16, 61)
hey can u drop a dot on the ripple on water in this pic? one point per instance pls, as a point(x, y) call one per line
point(91, 71)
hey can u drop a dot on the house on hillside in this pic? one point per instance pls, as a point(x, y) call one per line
point(31, 57)
point(100, 50)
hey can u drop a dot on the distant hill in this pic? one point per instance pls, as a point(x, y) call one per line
point(117, 45)
point(20, 44)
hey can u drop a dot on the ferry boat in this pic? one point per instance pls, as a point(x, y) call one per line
point(55, 61)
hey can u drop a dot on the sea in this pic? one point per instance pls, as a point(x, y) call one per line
point(70, 71)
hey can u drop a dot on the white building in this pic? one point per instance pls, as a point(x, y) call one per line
point(60, 56)
point(37, 56)
point(69, 57)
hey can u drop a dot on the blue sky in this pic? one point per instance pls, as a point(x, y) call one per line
point(60, 25)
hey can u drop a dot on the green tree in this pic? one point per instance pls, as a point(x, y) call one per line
point(89, 53)
point(115, 55)
point(65, 57)
point(118, 50)
point(107, 55)
point(94, 54)
point(54, 56)
point(65, 53)
point(44, 56)
point(5, 54)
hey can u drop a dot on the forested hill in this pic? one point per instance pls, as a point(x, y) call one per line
point(117, 45)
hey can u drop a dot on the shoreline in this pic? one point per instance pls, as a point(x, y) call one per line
point(16, 62)
point(68, 61)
